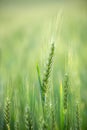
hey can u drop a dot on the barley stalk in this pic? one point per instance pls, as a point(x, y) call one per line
point(61, 106)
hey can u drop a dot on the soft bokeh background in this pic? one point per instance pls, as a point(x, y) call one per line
point(26, 29)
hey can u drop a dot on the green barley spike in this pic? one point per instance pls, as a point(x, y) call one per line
point(7, 114)
point(53, 119)
point(1, 117)
point(47, 73)
point(65, 95)
point(48, 68)
point(77, 116)
point(17, 125)
point(42, 124)
point(28, 120)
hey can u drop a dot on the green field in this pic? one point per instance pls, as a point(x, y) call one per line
point(26, 34)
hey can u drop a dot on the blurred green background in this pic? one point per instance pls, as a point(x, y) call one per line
point(26, 29)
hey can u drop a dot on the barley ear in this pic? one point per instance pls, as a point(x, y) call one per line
point(77, 117)
point(46, 75)
point(1, 117)
point(65, 92)
point(53, 118)
point(28, 119)
point(7, 113)
point(17, 125)
point(65, 101)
